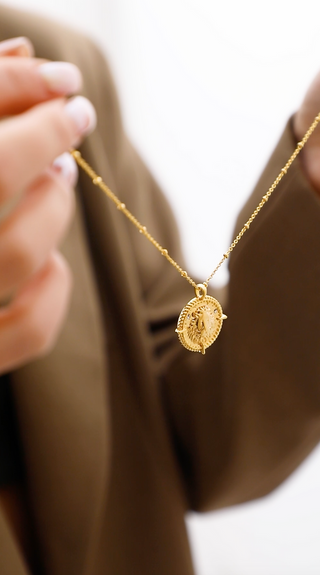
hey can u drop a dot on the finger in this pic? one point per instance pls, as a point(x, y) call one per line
point(26, 82)
point(30, 324)
point(31, 141)
point(309, 109)
point(33, 229)
point(66, 167)
point(17, 47)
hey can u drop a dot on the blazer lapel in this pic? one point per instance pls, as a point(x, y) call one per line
point(11, 562)
point(62, 409)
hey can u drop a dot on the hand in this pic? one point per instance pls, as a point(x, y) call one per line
point(36, 196)
point(310, 155)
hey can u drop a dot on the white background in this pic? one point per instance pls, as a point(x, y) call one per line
point(206, 87)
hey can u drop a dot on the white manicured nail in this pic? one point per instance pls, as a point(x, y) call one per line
point(16, 47)
point(82, 113)
point(66, 166)
point(61, 77)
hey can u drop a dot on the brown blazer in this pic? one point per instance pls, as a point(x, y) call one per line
point(123, 430)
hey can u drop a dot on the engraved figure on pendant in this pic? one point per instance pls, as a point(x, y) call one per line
point(200, 322)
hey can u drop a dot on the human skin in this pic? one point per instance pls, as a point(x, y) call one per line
point(36, 204)
point(36, 197)
point(310, 155)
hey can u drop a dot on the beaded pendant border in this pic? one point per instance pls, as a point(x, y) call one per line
point(200, 321)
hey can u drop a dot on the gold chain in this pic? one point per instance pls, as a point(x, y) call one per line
point(98, 181)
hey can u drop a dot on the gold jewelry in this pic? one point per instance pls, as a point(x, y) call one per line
point(200, 321)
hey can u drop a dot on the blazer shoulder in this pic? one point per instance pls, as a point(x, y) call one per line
point(52, 40)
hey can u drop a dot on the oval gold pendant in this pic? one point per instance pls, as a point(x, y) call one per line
point(200, 321)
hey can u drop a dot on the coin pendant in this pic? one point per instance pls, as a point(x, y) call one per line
point(199, 323)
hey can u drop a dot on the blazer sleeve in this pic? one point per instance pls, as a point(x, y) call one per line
point(248, 412)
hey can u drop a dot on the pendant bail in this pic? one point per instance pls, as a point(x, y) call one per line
point(200, 291)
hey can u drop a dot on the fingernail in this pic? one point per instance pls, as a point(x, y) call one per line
point(66, 166)
point(61, 77)
point(82, 113)
point(16, 47)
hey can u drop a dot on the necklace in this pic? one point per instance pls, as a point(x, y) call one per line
point(201, 320)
